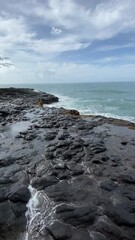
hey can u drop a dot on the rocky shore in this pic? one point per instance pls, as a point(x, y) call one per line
point(79, 171)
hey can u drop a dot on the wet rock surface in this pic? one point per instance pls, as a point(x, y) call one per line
point(84, 167)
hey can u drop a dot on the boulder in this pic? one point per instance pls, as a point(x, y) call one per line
point(108, 185)
point(59, 231)
point(76, 216)
point(43, 182)
point(21, 194)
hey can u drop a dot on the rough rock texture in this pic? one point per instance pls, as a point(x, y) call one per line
point(28, 95)
point(83, 169)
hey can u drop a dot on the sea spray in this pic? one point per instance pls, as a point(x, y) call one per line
point(40, 213)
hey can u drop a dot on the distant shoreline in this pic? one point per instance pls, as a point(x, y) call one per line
point(54, 99)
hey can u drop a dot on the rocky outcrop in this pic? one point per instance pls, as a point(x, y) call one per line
point(28, 96)
point(82, 166)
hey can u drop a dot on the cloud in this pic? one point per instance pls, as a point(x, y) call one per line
point(13, 33)
point(69, 72)
point(115, 47)
point(33, 32)
point(5, 62)
point(56, 31)
point(104, 20)
point(82, 22)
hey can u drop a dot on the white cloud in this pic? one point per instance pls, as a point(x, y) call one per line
point(73, 25)
point(114, 47)
point(13, 31)
point(103, 21)
point(68, 72)
point(56, 31)
point(73, 19)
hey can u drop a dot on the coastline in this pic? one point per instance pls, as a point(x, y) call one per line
point(83, 165)
point(106, 99)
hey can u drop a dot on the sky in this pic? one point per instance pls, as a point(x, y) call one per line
point(46, 41)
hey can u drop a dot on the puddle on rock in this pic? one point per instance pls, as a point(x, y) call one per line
point(18, 127)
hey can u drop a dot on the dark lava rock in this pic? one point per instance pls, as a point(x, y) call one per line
point(59, 230)
point(122, 214)
point(89, 156)
point(7, 161)
point(26, 93)
point(76, 216)
point(78, 170)
point(124, 143)
point(43, 182)
point(115, 161)
point(109, 228)
point(4, 193)
point(12, 219)
point(62, 231)
point(128, 177)
point(4, 113)
point(97, 147)
point(108, 185)
point(18, 209)
point(71, 112)
point(20, 195)
point(79, 234)
point(61, 192)
point(6, 213)
point(129, 193)
point(65, 174)
point(50, 136)
point(98, 236)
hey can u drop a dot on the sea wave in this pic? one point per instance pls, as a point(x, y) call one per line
point(35, 90)
point(93, 107)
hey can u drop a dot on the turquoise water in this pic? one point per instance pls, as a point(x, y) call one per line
point(107, 99)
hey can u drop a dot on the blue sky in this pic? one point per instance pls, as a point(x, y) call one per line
point(67, 40)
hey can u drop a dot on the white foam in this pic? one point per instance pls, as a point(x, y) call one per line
point(35, 90)
point(65, 101)
point(108, 115)
point(92, 107)
point(40, 213)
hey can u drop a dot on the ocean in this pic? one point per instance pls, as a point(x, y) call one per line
point(110, 99)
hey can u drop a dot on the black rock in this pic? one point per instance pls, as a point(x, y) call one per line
point(50, 136)
point(65, 174)
point(76, 216)
point(12, 220)
point(59, 230)
point(97, 147)
point(124, 143)
point(18, 209)
point(109, 228)
point(6, 213)
point(87, 202)
point(4, 193)
point(79, 234)
point(22, 194)
point(43, 182)
point(122, 214)
point(128, 193)
point(7, 161)
point(108, 185)
point(61, 192)
point(26, 93)
point(98, 236)
point(77, 170)
point(128, 177)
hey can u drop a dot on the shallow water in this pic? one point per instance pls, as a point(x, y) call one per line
point(18, 127)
